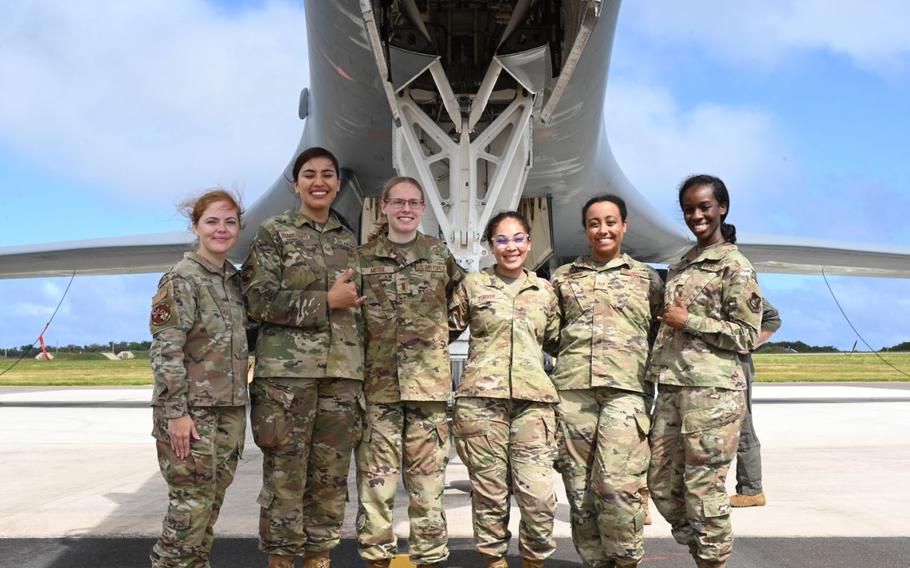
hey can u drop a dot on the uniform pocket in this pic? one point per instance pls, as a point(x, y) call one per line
point(713, 507)
point(712, 433)
point(270, 416)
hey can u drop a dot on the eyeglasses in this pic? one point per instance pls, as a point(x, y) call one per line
point(520, 239)
point(396, 203)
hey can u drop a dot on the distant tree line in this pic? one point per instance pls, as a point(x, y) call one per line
point(800, 347)
point(92, 348)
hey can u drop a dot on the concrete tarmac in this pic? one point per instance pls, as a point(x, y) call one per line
point(81, 487)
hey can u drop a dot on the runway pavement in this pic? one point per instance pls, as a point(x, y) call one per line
point(80, 485)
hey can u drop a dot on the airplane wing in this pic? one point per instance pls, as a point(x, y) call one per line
point(134, 254)
point(787, 255)
point(532, 131)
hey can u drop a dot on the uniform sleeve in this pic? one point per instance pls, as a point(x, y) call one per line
point(459, 310)
point(554, 320)
point(770, 317)
point(267, 300)
point(656, 302)
point(172, 317)
point(456, 275)
point(741, 307)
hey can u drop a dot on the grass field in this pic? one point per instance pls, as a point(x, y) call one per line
point(824, 367)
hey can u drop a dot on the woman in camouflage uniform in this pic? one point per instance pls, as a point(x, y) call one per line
point(505, 420)
point(199, 361)
point(300, 285)
point(408, 280)
point(712, 310)
point(609, 303)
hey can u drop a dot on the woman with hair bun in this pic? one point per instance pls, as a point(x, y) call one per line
point(199, 363)
point(505, 418)
point(712, 310)
point(301, 284)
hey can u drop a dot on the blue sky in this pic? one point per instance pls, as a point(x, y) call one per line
point(118, 111)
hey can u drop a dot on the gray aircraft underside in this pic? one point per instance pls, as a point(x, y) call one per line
point(368, 120)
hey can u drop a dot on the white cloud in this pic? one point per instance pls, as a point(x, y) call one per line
point(872, 34)
point(658, 144)
point(153, 100)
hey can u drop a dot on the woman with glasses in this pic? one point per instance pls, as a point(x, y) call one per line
point(505, 420)
point(408, 279)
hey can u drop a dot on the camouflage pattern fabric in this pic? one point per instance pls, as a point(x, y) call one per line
point(196, 483)
point(748, 453)
point(693, 441)
point(405, 319)
point(720, 291)
point(199, 349)
point(509, 326)
point(603, 458)
point(412, 437)
point(608, 312)
point(509, 447)
point(282, 415)
point(337, 429)
point(291, 266)
point(306, 429)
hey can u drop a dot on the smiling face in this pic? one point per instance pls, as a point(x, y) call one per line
point(510, 255)
point(403, 207)
point(605, 230)
point(217, 230)
point(317, 184)
point(703, 214)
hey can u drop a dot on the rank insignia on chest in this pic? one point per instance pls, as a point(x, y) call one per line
point(755, 303)
point(403, 286)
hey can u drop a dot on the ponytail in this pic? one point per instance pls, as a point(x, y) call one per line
point(729, 232)
point(379, 230)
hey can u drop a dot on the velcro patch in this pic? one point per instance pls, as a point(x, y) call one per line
point(755, 303)
point(161, 314)
point(427, 267)
point(378, 270)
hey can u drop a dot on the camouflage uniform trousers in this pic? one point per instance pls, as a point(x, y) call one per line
point(413, 436)
point(748, 454)
point(693, 441)
point(307, 429)
point(196, 483)
point(509, 447)
point(603, 458)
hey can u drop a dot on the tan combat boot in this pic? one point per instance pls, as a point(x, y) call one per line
point(707, 564)
point(384, 563)
point(748, 500)
point(316, 559)
point(280, 561)
point(645, 499)
point(528, 563)
point(497, 562)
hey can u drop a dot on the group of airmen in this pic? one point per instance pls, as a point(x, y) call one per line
point(351, 357)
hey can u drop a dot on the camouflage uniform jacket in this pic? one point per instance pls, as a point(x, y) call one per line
point(199, 350)
point(770, 317)
point(720, 291)
point(607, 317)
point(286, 278)
point(406, 331)
point(508, 331)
